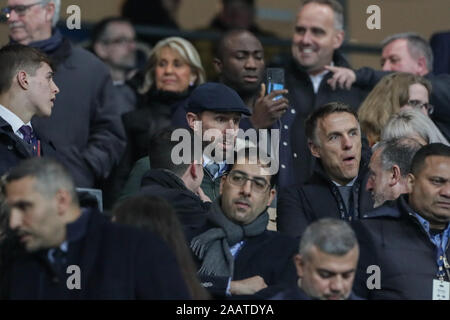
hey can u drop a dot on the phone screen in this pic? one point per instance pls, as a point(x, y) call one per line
point(274, 80)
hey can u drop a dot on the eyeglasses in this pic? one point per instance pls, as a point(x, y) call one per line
point(20, 10)
point(419, 104)
point(120, 41)
point(239, 179)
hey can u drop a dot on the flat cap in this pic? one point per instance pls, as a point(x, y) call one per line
point(216, 97)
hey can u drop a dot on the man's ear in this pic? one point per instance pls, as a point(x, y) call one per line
point(22, 79)
point(218, 65)
point(49, 11)
point(315, 150)
point(273, 192)
point(222, 182)
point(298, 261)
point(410, 182)
point(338, 39)
point(422, 66)
point(192, 79)
point(395, 176)
point(63, 201)
point(191, 118)
point(100, 50)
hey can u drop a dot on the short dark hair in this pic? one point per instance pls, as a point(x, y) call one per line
point(161, 146)
point(50, 176)
point(398, 151)
point(322, 112)
point(15, 57)
point(219, 49)
point(433, 149)
point(98, 33)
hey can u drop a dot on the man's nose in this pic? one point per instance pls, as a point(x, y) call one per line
point(445, 190)
point(15, 219)
point(347, 142)
point(13, 16)
point(307, 37)
point(246, 189)
point(387, 66)
point(337, 284)
point(250, 63)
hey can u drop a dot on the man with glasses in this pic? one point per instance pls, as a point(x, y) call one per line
point(114, 42)
point(85, 124)
point(236, 254)
point(404, 52)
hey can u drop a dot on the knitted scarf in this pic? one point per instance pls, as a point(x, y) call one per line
point(213, 246)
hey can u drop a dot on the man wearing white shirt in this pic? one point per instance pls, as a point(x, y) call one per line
point(26, 89)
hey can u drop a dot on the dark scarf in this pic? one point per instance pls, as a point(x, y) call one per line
point(48, 45)
point(164, 178)
point(213, 246)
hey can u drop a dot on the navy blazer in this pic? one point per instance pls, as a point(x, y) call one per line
point(13, 149)
point(116, 262)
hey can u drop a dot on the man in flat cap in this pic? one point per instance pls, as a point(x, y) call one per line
point(214, 111)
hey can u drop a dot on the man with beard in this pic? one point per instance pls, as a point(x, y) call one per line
point(237, 255)
point(336, 189)
point(389, 168)
point(214, 111)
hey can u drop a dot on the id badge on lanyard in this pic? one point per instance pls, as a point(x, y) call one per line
point(441, 288)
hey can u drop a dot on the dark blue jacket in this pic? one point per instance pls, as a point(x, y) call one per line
point(116, 262)
point(389, 237)
point(13, 149)
point(300, 205)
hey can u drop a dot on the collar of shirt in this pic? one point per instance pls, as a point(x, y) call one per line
point(14, 121)
point(317, 79)
point(440, 240)
point(350, 184)
point(222, 165)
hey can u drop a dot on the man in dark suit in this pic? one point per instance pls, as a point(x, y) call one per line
point(75, 253)
point(26, 89)
point(236, 253)
point(408, 239)
point(337, 187)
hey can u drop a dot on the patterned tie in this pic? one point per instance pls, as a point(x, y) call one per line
point(29, 137)
point(213, 168)
point(27, 133)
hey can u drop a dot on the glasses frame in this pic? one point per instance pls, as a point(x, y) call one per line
point(246, 178)
point(20, 10)
point(419, 104)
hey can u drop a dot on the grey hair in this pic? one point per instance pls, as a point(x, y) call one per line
point(185, 49)
point(398, 151)
point(329, 235)
point(51, 176)
point(335, 6)
point(410, 123)
point(417, 46)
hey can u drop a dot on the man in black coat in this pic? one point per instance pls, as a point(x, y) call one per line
point(337, 187)
point(26, 89)
point(178, 183)
point(406, 242)
point(318, 34)
point(74, 253)
point(236, 253)
point(85, 125)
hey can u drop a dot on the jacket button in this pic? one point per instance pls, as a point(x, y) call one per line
point(10, 147)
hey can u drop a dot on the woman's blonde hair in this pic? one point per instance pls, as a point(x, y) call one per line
point(410, 123)
point(386, 99)
point(185, 49)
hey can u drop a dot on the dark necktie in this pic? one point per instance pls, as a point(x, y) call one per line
point(29, 137)
point(59, 260)
point(213, 168)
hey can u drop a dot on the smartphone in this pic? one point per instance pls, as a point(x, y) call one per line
point(274, 80)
